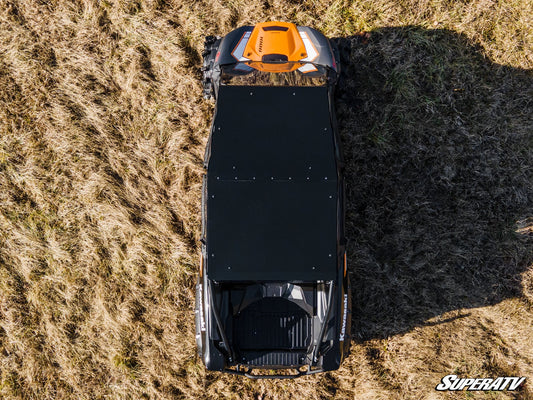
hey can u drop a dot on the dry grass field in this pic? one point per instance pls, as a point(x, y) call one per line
point(102, 134)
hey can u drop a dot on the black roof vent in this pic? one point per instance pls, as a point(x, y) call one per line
point(276, 28)
point(275, 58)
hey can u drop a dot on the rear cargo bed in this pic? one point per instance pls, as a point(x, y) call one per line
point(273, 324)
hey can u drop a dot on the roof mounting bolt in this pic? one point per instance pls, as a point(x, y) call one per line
point(251, 93)
point(309, 167)
point(313, 267)
point(290, 178)
point(234, 167)
point(229, 267)
point(330, 196)
point(294, 93)
point(307, 178)
point(212, 254)
point(218, 178)
point(325, 129)
point(212, 196)
point(218, 128)
point(235, 178)
point(329, 255)
point(325, 178)
point(271, 178)
point(253, 178)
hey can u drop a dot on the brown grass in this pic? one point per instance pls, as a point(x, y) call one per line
point(102, 133)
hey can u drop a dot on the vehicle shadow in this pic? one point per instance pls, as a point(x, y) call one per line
point(439, 169)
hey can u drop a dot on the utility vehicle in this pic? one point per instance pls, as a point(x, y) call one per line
point(273, 295)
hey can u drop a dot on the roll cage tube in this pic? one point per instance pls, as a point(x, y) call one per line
point(314, 357)
point(220, 327)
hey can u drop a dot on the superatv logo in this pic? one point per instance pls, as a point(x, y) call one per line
point(453, 383)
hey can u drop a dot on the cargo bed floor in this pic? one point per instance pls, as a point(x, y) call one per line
point(272, 324)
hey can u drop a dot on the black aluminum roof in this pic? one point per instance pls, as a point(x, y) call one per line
point(272, 186)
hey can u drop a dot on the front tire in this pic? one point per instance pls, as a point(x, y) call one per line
point(209, 56)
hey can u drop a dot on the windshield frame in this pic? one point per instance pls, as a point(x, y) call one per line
point(241, 69)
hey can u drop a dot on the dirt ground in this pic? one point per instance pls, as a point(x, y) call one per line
point(102, 133)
